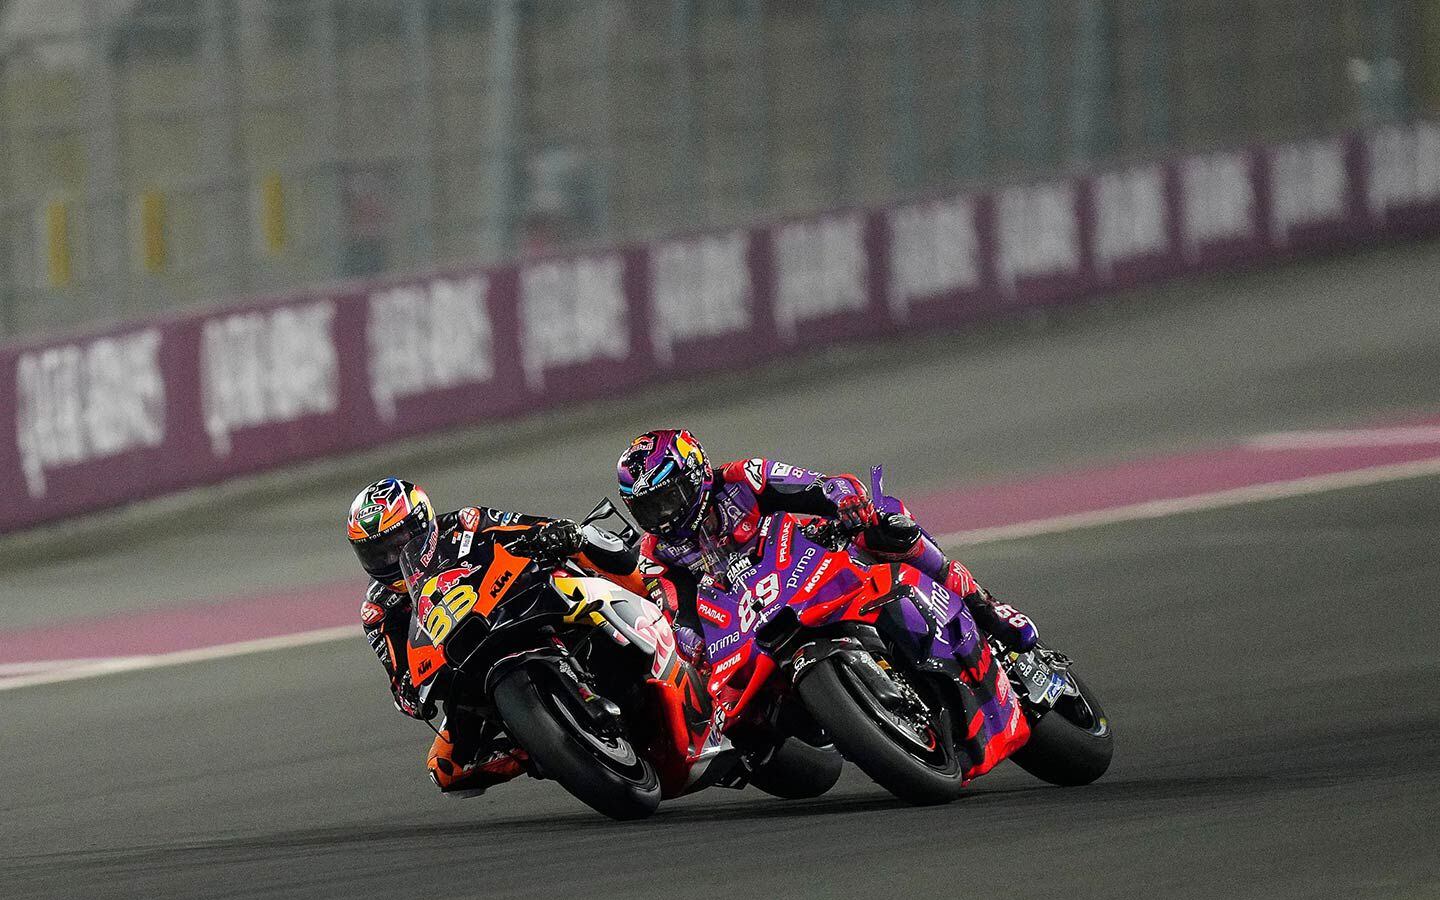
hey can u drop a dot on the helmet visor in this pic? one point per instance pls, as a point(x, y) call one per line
point(667, 505)
point(380, 555)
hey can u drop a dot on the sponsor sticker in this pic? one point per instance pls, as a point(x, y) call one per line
point(815, 579)
point(729, 662)
point(782, 552)
point(712, 614)
point(712, 650)
point(793, 581)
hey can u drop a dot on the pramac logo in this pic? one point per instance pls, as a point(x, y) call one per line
point(712, 614)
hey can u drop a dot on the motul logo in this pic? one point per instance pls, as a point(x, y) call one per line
point(815, 579)
point(729, 663)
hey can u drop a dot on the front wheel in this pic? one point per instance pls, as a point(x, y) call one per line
point(603, 771)
point(908, 753)
point(1072, 743)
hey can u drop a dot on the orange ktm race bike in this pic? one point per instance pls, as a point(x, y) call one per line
point(582, 672)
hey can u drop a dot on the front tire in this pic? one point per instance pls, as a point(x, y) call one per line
point(1071, 744)
point(605, 773)
point(923, 772)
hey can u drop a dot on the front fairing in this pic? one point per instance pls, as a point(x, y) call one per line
point(781, 571)
point(462, 606)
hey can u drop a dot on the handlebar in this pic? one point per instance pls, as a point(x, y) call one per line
point(831, 533)
point(834, 534)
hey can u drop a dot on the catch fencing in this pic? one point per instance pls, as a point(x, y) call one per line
point(157, 155)
point(171, 403)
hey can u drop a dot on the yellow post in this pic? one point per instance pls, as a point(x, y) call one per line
point(57, 243)
point(152, 230)
point(272, 213)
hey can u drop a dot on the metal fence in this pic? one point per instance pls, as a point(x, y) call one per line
point(161, 153)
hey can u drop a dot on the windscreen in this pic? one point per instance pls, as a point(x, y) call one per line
point(417, 559)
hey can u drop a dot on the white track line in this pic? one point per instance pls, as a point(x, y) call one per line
point(92, 668)
point(1362, 437)
point(1153, 509)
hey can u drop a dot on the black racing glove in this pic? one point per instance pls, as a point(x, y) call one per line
point(552, 542)
point(407, 698)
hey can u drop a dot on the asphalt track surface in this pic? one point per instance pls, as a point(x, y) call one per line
point(1269, 668)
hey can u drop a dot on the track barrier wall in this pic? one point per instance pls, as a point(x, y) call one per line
point(162, 405)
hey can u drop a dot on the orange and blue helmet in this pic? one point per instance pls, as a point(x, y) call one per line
point(384, 518)
point(665, 479)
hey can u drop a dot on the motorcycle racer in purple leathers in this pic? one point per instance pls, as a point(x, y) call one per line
point(696, 515)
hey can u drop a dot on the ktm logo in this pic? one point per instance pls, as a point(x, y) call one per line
point(500, 585)
point(425, 665)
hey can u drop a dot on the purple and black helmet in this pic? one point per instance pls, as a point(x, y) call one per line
point(664, 480)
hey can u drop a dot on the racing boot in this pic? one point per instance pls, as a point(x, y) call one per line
point(1001, 621)
point(899, 539)
point(456, 777)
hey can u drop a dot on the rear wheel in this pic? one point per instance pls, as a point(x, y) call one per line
point(799, 771)
point(1072, 743)
point(602, 770)
point(909, 753)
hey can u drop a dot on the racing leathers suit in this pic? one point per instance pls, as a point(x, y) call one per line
point(746, 490)
point(470, 753)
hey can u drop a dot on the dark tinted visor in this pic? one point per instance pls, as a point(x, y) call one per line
point(380, 555)
point(664, 506)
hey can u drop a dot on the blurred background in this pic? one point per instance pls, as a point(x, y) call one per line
point(158, 154)
point(1049, 340)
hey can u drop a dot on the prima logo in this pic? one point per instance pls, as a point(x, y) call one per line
point(725, 643)
point(800, 566)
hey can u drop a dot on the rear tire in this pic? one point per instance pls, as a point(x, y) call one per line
point(837, 699)
point(1071, 744)
point(798, 771)
point(604, 773)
